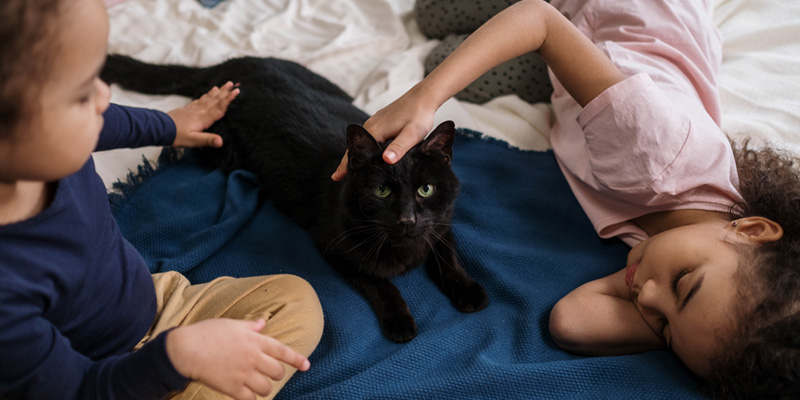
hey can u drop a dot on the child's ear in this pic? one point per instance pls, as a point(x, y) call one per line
point(440, 141)
point(361, 146)
point(758, 229)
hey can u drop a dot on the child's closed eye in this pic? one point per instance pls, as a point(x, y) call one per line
point(677, 279)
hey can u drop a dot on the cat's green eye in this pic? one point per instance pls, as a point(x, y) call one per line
point(425, 190)
point(382, 190)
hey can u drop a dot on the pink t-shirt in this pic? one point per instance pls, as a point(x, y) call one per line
point(651, 142)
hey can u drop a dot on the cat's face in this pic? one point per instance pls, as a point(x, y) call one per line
point(410, 200)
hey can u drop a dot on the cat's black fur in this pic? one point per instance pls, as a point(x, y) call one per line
point(291, 127)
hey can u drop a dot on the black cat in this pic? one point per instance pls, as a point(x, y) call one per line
point(291, 127)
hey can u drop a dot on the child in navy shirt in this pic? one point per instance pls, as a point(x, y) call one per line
point(80, 314)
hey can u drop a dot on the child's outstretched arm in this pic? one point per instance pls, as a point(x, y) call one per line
point(529, 25)
point(192, 120)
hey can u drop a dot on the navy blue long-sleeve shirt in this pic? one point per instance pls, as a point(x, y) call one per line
point(75, 296)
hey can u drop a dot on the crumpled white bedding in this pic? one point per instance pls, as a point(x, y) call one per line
point(760, 75)
point(374, 51)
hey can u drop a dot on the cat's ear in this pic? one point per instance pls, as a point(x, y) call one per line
point(361, 146)
point(440, 141)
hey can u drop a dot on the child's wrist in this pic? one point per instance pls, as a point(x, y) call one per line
point(175, 352)
point(427, 96)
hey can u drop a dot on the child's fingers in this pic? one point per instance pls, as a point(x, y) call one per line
point(259, 384)
point(341, 170)
point(400, 146)
point(198, 139)
point(204, 139)
point(242, 393)
point(284, 353)
point(219, 97)
point(219, 92)
point(212, 140)
point(258, 325)
point(223, 91)
point(227, 96)
point(271, 367)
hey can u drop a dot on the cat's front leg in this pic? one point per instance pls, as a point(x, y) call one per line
point(445, 269)
point(392, 311)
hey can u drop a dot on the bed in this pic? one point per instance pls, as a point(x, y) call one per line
point(520, 231)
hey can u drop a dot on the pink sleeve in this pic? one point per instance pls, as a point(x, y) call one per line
point(633, 133)
point(646, 154)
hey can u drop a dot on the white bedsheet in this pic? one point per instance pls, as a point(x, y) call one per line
point(373, 50)
point(760, 75)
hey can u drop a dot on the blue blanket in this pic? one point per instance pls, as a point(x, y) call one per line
point(520, 232)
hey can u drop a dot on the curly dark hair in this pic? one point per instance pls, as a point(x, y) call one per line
point(26, 31)
point(761, 359)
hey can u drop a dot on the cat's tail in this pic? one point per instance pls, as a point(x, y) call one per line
point(138, 76)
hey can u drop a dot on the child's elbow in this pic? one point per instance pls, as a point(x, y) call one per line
point(567, 327)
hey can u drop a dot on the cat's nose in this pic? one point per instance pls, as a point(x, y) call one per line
point(407, 221)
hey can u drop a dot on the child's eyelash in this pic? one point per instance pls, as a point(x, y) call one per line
point(676, 279)
point(674, 285)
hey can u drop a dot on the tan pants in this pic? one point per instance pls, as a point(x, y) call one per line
point(288, 304)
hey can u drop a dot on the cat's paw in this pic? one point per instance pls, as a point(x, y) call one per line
point(399, 328)
point(471, 299)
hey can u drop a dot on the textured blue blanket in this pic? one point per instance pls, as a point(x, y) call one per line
point(520, 233)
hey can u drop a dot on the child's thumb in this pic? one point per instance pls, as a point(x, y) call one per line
point(399, 147)
point(212, 140)
point(258, 325)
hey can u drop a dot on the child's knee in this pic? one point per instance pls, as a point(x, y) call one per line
point(303, 304)
point(299, 292)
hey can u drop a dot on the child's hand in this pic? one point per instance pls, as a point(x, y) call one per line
point(193, 119)
point(407, 120)
point(231, 356)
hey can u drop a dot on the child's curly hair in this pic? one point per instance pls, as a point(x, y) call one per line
point(762, 358)
point(26, 31)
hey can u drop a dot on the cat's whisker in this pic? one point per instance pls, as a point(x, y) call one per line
point(344, 235)
point(369, 221)
point(376, 249)
point(353, 231)
point(369, 239)
point(436, 257)
point(450, 246)
point(383, 240)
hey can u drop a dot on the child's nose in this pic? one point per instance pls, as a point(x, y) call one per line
point(649, 295)
point(649, 304)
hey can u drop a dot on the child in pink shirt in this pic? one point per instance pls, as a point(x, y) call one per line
point(713, 271)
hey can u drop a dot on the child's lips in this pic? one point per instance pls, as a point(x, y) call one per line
point(629, 274)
